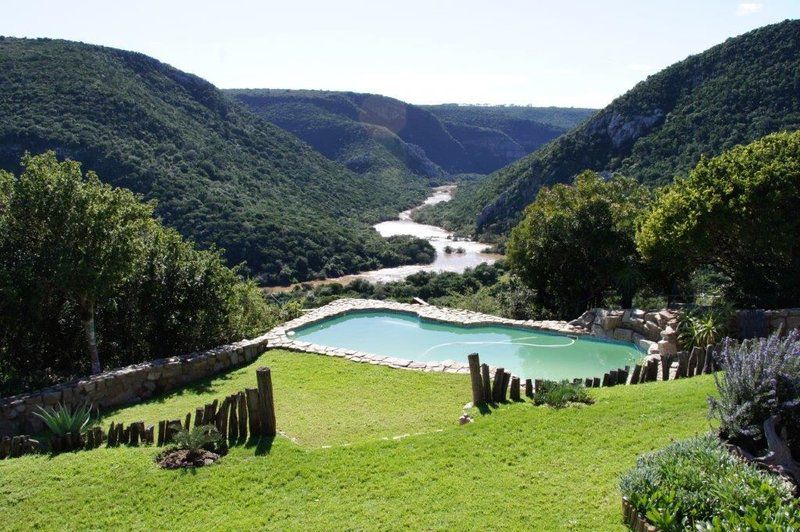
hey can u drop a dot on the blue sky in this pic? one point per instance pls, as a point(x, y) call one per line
point(578, 53)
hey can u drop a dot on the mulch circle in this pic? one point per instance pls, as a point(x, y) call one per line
point(181, 458)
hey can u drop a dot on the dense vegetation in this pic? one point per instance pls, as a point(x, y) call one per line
point(735, 214)
point(728, 230)
point(85, 269)
point(576, 243)
point(733, 93)
point(698, 484)
point(552, 469)
point(221, 174)
point(486, 288)
point(369, 133)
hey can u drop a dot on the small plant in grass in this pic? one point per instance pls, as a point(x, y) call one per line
point(559, 394)
point(196, 447)
point(698, 484)
point(60, 419)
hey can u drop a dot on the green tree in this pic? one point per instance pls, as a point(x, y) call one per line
point(73, 233)
point(737, 214)
point(576, 243)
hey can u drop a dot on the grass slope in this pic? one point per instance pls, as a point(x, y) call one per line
point(221, 174)
point(519, 466)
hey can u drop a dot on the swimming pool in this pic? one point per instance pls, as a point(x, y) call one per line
point(527, 353)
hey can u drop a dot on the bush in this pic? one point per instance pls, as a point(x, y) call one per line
point(559, 394)
point(702, 327)
point(61, 420)
point(698, 485)
point(198, 438)
point(760, 379)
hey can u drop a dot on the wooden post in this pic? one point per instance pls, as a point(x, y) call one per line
point(515, 389)
point(134, 434)
point(198, 416)
point(537, 385)
point(587, 383)
point(486, 384)
point(5, 447)
point(528, 388)
point(14, 452)
point(233, 420)
point(606, 380)
point(90, 439)
point(162, 432)
point(242, 407)
point(498, 383)
point(708, 365)
point(252, 412)
point(112, 435)
point(222, 418)
point(701, 362)
point(504, 389)
point(596, 382)
point(187, 422)
point(266, 402)
point(475, 376)
point(637, 374)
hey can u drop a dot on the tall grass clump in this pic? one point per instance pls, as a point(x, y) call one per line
point(61, 419)
point(760, 378)
point(698, 484)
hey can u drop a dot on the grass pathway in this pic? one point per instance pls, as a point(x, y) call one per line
point(519, 466)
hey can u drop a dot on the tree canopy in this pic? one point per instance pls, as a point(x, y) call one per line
point(735, 213)
point(575, 243)
point(83, 263)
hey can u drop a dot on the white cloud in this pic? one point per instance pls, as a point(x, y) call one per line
point(749, 8)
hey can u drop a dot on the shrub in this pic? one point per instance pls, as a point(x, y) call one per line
point(760, 378)
point(198, 438)
point(701, 327)
point(558, 394)
point(698, 485)
point(61, 420)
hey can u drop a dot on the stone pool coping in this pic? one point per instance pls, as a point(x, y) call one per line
point(278, 338)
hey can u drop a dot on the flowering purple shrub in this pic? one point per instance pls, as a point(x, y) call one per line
point(760, 378)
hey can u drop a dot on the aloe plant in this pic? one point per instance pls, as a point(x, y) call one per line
point(60, 419)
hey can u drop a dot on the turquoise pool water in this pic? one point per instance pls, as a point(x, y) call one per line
point(526, 353)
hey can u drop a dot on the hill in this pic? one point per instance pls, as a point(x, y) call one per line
point(221, 175)
point(731, 94)
point(371, 133)
point(497, 135)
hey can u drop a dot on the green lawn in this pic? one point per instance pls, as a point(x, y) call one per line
point(518, 466)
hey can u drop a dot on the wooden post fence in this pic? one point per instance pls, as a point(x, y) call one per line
point(266, 402)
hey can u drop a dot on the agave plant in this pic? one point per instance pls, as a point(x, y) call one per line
point(60, 419)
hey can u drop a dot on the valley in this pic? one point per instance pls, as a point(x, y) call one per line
point(453, 254)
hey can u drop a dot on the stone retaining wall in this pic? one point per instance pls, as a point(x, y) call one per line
point(127, 385)
point(654, 332)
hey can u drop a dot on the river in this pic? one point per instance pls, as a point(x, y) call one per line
point(472, 255)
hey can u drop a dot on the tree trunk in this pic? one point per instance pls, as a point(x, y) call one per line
point(87, 316)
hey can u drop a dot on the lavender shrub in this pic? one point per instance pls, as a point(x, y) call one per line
point(760, 378)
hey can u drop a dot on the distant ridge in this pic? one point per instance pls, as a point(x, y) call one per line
point(373, 133)
point(222, 175)
point(733, 93)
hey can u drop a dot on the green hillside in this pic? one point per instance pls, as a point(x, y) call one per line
point(370, 133)
point(497, 135)
point(731, 94)
point(222, 176)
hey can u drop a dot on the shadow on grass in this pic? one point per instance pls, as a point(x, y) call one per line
point(486, 409)
point(261, 444)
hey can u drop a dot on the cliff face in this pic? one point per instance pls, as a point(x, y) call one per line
point(731, 94)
